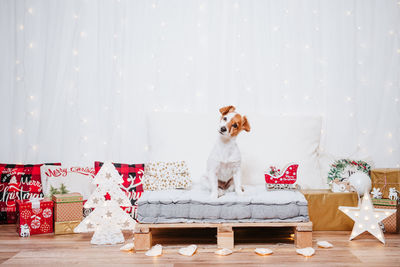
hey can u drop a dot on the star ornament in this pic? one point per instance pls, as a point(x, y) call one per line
point(366, 218)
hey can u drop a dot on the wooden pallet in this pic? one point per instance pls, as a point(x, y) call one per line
point(225, 232)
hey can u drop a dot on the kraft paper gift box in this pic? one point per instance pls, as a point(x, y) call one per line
point(68, 207)
point(61, 228)
point(34, 217)
point(384, 179)
point(391, 223)
point(323, 209)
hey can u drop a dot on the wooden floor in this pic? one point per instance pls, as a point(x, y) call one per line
point(76, 249)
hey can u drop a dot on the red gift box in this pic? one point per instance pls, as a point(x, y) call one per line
point(34, 216)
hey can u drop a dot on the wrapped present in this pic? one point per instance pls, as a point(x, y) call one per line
point(323, 209)
point(385, 179)
point(68, 207)
point(62, 228)
point(391, 223)
point(34, 216)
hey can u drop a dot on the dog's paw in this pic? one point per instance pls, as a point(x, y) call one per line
point(214, 194)
point(239, 192)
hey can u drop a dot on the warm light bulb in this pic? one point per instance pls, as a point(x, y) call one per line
point(366, 218)
point(34, 147)
point(387, 213)
point(21, 27)
point(20, 131)
point(30, 45)
point(356, 214)
point(360, 226)
point(366, 208)
point(389, 135)
point(30, 10)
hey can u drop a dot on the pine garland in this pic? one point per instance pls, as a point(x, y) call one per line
point(55, 191)
point(339, 166)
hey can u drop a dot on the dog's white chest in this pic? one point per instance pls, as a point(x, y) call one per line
point(224, 160)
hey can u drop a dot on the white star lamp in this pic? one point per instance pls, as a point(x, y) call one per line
point(366, 218)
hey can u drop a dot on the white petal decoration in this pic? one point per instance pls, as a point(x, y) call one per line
point(127, 247)
point(188, 251)
point(224, 252)
point(307, 252)
point(263, 251)
point(324, 244)
point(154, 251)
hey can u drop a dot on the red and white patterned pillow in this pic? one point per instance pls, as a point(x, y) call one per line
point(132, 186)
point(18, 182)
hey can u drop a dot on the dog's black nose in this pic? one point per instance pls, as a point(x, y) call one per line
point(223, 129)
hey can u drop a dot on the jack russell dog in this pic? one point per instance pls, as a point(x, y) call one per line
point(223, 165)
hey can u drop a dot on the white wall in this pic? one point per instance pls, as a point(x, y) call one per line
point(76, 77)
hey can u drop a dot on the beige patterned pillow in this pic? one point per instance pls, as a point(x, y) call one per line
point(166, 175)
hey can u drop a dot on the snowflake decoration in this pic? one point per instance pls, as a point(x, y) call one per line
point(376, 193)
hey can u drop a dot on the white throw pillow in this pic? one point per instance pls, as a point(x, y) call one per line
point(280, 140)
point(271, 141)
point(75, 179)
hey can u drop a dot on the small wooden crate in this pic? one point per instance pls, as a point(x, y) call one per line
point(225, 232)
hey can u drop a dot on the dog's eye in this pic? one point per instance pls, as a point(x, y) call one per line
point(224, 119)
point(234, 125)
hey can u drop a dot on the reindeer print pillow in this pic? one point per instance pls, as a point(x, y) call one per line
point(166, 175)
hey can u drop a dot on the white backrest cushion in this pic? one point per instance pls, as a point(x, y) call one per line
point(280, 140)
point(176, 136)
point(271, 141)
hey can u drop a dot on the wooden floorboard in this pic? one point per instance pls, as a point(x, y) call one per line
point(75, 249)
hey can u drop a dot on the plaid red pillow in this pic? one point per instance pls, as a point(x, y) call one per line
point(18, 182)
point(132, 186)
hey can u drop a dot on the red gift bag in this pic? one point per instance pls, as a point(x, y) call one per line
point(34, 217)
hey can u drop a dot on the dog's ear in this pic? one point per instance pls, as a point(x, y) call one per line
point(226, 110)
point(245, 124)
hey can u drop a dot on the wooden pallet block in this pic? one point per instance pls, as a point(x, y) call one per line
point(225, 232)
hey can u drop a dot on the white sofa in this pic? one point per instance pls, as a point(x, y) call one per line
point(271, 141)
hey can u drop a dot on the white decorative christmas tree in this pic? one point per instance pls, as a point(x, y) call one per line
point(108, 219)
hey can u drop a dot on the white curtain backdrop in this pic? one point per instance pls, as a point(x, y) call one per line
point(77, 77)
